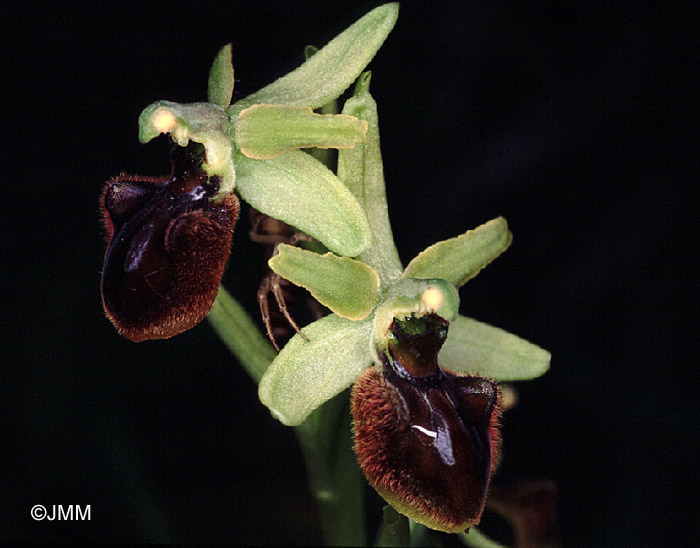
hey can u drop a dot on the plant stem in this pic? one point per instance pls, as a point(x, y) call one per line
point(325, 437)
point(477, 539)
point(334, 476)
point(239, 333)
point(395, 529)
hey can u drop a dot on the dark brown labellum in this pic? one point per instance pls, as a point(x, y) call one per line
point(427, 439)
point(168, 244)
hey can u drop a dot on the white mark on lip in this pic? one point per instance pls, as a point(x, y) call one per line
point(425, 431)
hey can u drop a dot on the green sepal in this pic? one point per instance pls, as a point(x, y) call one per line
point(221, 78)
point(348, 287)
point(266, 131)
point(307, 373)
point(203, 123)
point(361, 169)
point(460, 259)
point(476, 347)
point(330, 71)
point(300, 191)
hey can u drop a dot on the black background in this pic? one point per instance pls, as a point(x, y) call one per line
point(572, 122)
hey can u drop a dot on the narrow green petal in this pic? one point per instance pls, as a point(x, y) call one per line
point(266, 131)
point(459, 259)
point(361, 169)
point(329, 72)
point(306, 374)
point(323, 155)
point(221, 78)
point(476, 347)
point(348, 287)
point(302, 192)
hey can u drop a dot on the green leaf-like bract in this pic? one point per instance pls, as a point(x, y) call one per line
point(302, 192)
point(360, 168)
point(325, 75)
point(476, 347)
point(348, 287)
point(221, 78)
point(459, 259)
point(307, 373)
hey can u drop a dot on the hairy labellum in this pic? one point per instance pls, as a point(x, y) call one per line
point(427, 439)
point(168, 244)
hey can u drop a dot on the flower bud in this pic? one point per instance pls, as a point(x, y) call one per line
point(168, 243)
point(427, 439)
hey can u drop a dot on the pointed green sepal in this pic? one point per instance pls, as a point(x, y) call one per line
point(221, 78)
point(330, 71)
point(348, 287)
point(300, 191)
point(476, 347)
point(266, 131)
point(460, 259)
point(203, 123)
point(306, 374)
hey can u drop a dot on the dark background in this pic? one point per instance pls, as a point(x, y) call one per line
point(572, 122)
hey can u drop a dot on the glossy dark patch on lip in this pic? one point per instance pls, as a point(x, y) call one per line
point(426, 438)
point(168, 244)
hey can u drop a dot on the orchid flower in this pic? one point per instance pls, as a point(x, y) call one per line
point(425, 397)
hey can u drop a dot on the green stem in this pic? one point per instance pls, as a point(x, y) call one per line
point(334, 476)
point(325, 437)
point(240, 334)
point(477, 539)
point(327, 156)
point(419, 534)
point(395, 529)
